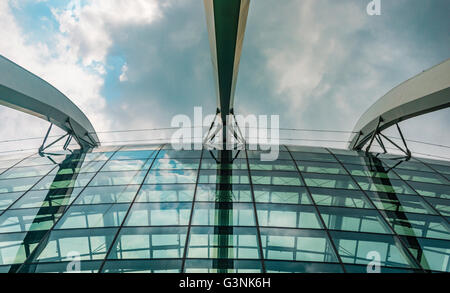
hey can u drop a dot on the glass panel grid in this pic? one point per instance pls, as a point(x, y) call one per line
point(319, 211)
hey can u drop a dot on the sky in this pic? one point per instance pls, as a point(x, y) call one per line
point(319, 64)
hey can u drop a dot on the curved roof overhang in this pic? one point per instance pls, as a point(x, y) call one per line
point(427, 92)
point(23, 91)
point(226, 22)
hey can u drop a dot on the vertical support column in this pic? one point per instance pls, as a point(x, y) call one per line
point(226, 21)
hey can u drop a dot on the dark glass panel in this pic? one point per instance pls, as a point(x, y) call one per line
point(340, 198)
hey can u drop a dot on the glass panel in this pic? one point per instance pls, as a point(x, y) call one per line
point(329, 181)
point(62, 267)
point(133, 155)
point(219, 266)
point(307, 149)
point(318, 167)
point(224, 192)
point(6, 199)
point(301, 267)
point(430, 253)
point(93, 216)
point(223, 214)
point(426, 177)
point(174, 176)
point(278, 165)
point(223, 243)
point(340, 198)
point(118, 178)
point(276, 178)
point(238, 164)
point(256, 155)
point(419, 225)
point(400, 203)
point(103, 156)
point(174, 154)
point(281, 194)
point(64, 181)
point(107, 194)
point(297, 245)
point(292, 216)
point(358, 220)
point(407, 165)
point(389, 186)
point(442, 205)
point(176, 164)
point(325, 157)
point(359, 248)
point(12, 250)
point(46, 198)
point(159, 214)
point(360, 160)
point(126, 165)
point(432, 190)
point(441, 168)
point(370, 171)
point(28, 219)
point(142, 266)
point(17, 184)
point(63, 245)
point(149, 243)
point(225, 177)
point(18, 172)
point(5, 164)
point(166, 193)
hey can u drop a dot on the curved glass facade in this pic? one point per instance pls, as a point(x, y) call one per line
point(155, 209)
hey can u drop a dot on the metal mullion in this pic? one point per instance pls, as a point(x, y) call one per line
point(62, 215)
point(258, 231)
point(333, 246)
point(15, 164)
point(435, 171)
point(188, 233)
point(130, 207)
point(423, 197)
point(27, 191)
point(381, 214)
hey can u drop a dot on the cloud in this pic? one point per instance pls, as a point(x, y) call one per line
point(89, 27)
point(56, 63)
point(123, 76)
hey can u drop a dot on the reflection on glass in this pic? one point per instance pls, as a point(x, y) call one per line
point(159, 214)
point(271, 215)
point(93, 216)
point(358, 248)
point(357, 220)
point(149, 243)
point(296, 245)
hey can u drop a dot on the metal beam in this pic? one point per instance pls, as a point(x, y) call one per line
point(226, 22)
point(23, 91)
point(427, 92)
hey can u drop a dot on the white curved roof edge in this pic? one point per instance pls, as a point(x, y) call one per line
point(424, 93)
point(23, 91)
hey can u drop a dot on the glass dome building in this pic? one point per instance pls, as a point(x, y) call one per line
point(154, 209)
point(151, 208)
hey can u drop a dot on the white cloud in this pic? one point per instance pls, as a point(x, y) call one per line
point(123, 76)
point(89, 27)
point(59, 66)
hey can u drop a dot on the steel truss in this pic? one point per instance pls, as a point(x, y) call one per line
point(378, 136)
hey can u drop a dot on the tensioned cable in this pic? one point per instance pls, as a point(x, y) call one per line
point(421, 142)
point(175, 128)
point(413, 152)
